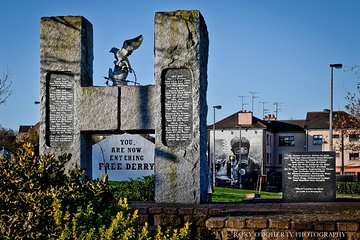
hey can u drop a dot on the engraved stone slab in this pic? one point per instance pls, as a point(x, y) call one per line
point(309, 177)
point(60, 109)
point(177, 105)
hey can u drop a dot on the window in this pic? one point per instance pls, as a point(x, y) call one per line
point(350, 173)
point(287, 141)
point(268, 139)
point(353, 137)
point(317, 139)
point(354, 156)
point(280, 158)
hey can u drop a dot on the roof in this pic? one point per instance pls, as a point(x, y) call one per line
point(320, 120)
point(286, 125)
point(24, 128)
point(230, 122)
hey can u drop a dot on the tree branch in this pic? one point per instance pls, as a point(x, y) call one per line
point(5, 87)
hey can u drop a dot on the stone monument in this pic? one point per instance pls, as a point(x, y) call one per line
point(174, 108)
point(181, 53)
point(66, 67)
point(309, 177)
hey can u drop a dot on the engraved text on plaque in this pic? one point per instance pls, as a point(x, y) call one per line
point(60, 109)
point(309, 176)
point(177, 107)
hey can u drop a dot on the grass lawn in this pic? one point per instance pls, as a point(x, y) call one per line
point(222, 194)
point(348, 195)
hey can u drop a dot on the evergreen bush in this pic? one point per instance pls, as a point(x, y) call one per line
point(38, 200)
point(350, 188)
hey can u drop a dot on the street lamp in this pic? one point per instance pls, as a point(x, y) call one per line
point(213, 161)
point(332, 66)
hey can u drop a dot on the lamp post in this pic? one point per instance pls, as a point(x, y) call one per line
point(239, 168)
point(332, 66)
point(213, 160)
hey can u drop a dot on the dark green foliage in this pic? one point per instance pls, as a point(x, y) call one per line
point(345, 178)
point(351, 188)
point(38, 200)
point(29, 186)
point(141, 189)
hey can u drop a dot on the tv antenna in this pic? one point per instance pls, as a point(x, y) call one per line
point(242, 102)
point(252, 100)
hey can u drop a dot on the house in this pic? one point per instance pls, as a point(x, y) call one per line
point(346, 141)
point(282, 137)
point(24, 131)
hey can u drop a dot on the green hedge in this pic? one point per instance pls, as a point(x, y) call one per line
point(141, 189)
point(351, 188)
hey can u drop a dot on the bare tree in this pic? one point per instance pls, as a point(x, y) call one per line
point(5, 84)
point(348, 122)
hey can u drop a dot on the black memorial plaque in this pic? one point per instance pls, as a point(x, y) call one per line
point(177, 107)
point(60, 109)
point(309, 177)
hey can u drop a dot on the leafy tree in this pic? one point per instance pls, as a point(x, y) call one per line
point(8, 140)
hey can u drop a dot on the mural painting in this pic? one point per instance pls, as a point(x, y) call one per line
point(232, 166)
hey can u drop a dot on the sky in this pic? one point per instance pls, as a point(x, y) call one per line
point(280, 50)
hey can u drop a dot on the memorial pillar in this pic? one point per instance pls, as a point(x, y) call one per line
point(66, 61)
point(181, 53)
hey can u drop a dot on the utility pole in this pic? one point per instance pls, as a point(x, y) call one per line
point(277, 108)
point(242, 102)
point(252, 100)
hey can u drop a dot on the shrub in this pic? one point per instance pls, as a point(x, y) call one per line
point(141, 189)
point(39, 201)
point(351, 188)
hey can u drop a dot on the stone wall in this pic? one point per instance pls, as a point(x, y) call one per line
point(248, 221)
point(280, 227)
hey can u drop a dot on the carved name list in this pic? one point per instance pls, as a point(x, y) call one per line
point(61, 108)
point(177, 107)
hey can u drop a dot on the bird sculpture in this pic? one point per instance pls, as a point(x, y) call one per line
point(122, 65)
